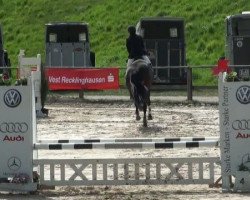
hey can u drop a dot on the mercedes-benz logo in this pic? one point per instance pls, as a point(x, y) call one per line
point(243, 94)
point(12, 98)
point(14, 163)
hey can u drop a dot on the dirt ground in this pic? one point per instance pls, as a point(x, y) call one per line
point(93, 119)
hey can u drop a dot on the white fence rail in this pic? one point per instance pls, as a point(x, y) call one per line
point(135, 171)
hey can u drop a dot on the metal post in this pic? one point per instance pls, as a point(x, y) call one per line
point(156, 59)
point(84, 54)
point(38, 65)
point(50, 57)
point(73, 58)
point(169, 63)
point(189, 84)
point(81, 95)
point(180, 59)
point(61, 56)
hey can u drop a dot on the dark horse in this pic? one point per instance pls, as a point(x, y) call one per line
point(138, 80)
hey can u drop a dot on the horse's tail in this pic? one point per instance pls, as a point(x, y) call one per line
point(137, 83)
point(138, 90)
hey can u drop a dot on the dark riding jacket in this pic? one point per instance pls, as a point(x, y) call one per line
point(135, 46)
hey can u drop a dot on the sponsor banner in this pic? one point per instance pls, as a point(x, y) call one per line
point(16, 130)
point(234, 99)
point(82, 78)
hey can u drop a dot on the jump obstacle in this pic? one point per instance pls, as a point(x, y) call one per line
point(131, 143)
point(96, 171)
point(127, 171)
point(128, 145)
point(105, 140)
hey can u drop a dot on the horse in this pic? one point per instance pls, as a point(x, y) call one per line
point(139, 79)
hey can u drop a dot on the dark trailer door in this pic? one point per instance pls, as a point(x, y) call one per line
point(238, 42)
point(165, 41)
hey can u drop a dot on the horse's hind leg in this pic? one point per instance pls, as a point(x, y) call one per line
point(137, 114)
point(144, 115)
point(150, 117)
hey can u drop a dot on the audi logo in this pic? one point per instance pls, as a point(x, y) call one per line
point(241, 124)
point(13, 127)
point(243, 94)
point(12, 98)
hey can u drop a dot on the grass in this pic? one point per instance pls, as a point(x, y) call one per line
point(23, 25)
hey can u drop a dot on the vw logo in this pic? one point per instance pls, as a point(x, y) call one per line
point(241, 124)
point(243, 94)
point(11, 127)
point(12, 98)
point(14, 163)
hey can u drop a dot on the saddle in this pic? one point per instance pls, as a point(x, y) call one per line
point(138, 62)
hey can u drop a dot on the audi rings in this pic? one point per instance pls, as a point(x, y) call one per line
point(13, 127)
point(241, 124)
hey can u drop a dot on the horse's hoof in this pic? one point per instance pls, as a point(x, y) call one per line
point(150, 117)
point(138, 118)
point(145, 124)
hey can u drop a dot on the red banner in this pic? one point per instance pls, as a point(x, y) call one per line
point(82, 78)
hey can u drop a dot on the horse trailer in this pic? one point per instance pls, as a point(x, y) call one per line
point(238, 42)
point(164, 39)
point(4, 59)
point(68, 45)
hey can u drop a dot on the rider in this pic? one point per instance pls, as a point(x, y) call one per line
point(136, 50)
point(135, 47)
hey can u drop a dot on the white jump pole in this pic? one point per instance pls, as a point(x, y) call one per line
point(130, 145)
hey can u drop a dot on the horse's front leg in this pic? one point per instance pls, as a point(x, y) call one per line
point(137, 113)
point(144, 115)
